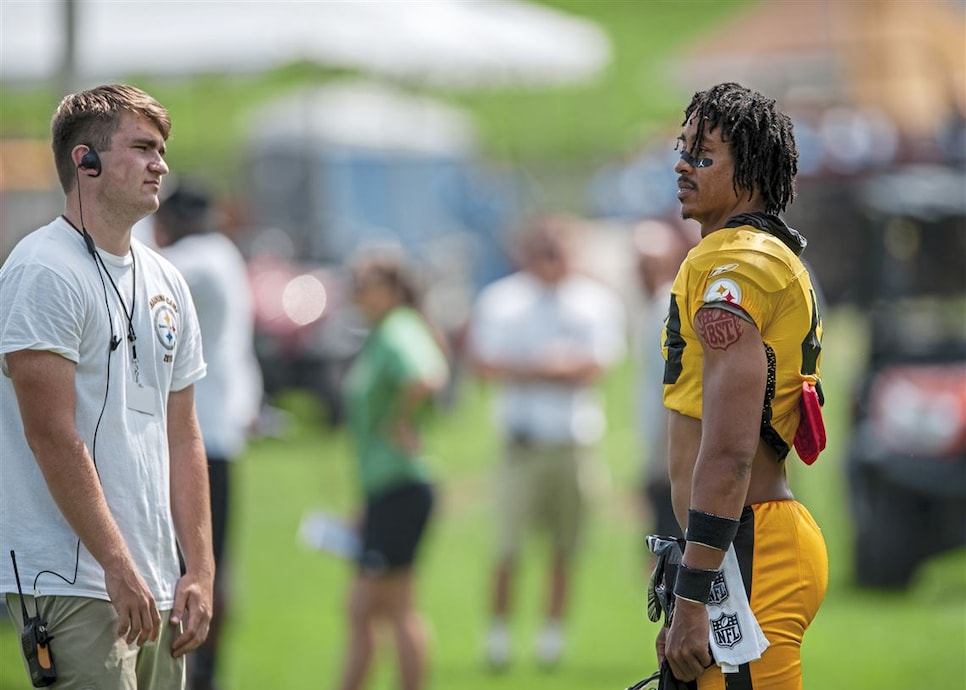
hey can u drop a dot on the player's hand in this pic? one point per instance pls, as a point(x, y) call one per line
point(687, 641)
point(192, 610)
point(138, 618)
point(660, 645)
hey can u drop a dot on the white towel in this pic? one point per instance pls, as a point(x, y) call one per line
point(735, 636)
point(329, 533)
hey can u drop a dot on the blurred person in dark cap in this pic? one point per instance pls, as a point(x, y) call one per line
point(659, 249)
point(229, 398)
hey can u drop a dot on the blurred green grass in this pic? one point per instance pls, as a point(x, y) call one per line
point(287, 629)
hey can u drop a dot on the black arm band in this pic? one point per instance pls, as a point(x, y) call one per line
point(710, 530)
point(694, 584)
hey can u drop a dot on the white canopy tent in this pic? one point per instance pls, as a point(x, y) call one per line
point(456, 44)
point(362, 114)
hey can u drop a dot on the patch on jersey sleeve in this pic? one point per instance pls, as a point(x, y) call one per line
point(723, 290)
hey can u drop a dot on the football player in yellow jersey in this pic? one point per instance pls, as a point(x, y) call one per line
point(742, 343)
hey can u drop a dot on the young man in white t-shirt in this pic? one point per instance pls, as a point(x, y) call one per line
point(103, 475)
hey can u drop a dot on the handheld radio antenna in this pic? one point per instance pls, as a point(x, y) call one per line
point(35, 641)
point(19, 590)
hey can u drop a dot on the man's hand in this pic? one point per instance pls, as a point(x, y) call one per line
point(686, 644)
point(660, 645)
point(192, 606)
point(138, 619)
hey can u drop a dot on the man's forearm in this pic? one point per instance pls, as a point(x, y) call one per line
point(44, 386)
point(74, 485)
point(566, 370)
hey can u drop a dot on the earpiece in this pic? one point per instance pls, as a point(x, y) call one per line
point(91, 161)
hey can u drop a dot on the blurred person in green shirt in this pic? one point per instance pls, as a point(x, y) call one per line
point(388, 389)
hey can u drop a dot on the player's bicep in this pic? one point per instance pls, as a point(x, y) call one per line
point(720, 326)
point(731, 343)
point(735, 374)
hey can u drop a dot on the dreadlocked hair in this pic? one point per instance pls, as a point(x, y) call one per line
point(759, 136)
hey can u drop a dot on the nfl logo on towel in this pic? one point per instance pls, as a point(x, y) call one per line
point(719, 590)
point(726, 631)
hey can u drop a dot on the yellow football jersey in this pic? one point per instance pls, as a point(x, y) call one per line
point(766, 283)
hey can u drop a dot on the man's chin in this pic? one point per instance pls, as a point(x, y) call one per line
point(143, 210)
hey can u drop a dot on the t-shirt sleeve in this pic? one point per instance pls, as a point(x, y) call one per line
point(485, 333)
point(609, 338)
point(39, 310)
point(417, 355)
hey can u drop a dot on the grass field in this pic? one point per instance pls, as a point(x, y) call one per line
point(287, 629)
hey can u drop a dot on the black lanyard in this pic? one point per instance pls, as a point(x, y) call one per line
point(128, 314)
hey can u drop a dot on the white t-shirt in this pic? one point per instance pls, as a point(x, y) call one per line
point(651, 413)
point(229, 397)
point(52, 298)
point(520, 320)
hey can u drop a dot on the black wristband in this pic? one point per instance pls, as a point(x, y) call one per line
point(711, 530)
point(694, 584)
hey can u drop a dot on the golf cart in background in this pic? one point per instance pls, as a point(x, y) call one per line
point(906, 459)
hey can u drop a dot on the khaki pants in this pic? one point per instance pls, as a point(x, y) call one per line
point(541, 487)
point(88, 654)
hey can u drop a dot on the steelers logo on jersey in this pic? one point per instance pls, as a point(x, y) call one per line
point(723, 290)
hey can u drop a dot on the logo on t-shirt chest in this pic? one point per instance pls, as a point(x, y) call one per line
point(165, 316)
